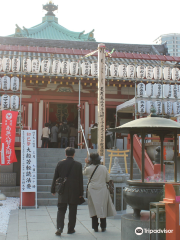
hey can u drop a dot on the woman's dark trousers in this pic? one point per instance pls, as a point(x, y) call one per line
point(45, 142)
point(95, 223)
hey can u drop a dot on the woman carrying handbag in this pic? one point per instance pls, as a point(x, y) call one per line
point(99, 199)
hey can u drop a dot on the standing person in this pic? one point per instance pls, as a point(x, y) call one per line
point(72, 135)
point(94, 132)
point(73, 190)
point(59, 135)
point(99, 199)
point(54, 135)
point(64, 134)
point(109, 138)
point(45, 136)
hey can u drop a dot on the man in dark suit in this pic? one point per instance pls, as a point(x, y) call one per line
point(73, 190)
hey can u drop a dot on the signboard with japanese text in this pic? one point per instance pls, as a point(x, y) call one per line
point(28, 161)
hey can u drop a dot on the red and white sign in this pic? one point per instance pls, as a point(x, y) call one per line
point(8, 134)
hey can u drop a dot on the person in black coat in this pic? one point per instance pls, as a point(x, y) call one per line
point(73, 190)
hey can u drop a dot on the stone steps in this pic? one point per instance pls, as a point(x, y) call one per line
point(10, 191)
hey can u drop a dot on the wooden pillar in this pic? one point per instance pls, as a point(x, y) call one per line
point(131, 163)
point(175, 157)
point(35, 114)
point(162, 154)
point(143, 148)
point(91, 113)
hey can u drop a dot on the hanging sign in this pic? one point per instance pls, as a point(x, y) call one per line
point(141, 106)
point(73, 68)
point(8, 134)
point(149, 72)
point(5, 83)
point(130, 71)
point(176, 108)
point(26, 65)
point(6, 64)
point(149, 89)
point(157, 90)
point(35, 65)
point(15, 64)
point(14, 83)
point(175, 74)
point(141, 89)
point(28, 161)
point(141, 73)
point(1, 64)
point(114, 70)
point(167, 73)
point(94, 69)
point(149, 105)
point(14, 102)
point(56, 67)
point(157, 72)
point(45, 66)
point(85, 68)
point(5, 101)
point(122, 70)
point(65, 67)
point(158, 107)
point(168, 107)
point(106, 70)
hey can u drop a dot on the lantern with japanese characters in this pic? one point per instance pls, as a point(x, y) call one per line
point(14, 102)
point(6, 64)
point(167, 73)
point(176, 108)
point(73, 68)
point(175, 74)
point(65, 67)
point(157, 72)
point(5, 83)
point(94, 69)
point(149, 106)
point(158, 107)
point(85, 68)
point(141, 73)
point(166, 90)
point(14, 83)
point(56, 67)
point(45, 66)
point(5, 101)
point(122, 70)
point(1, 65)
point(131, 71)
point(0, 82)
point(35, 65)
point(175, 91)
point(149, 89)
point(141, 89)
point(157, 90)
point(149, 72)
point(168, 107)
point(26, 65)
point(141, 106)
point(15, 64)
point(114, 70)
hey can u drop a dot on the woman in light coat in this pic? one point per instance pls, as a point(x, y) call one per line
point(99, 199)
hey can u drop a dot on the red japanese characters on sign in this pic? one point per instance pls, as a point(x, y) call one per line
point(8, 134)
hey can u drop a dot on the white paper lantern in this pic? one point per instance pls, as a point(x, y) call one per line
point(114, 70)
point(157, 72)
point(175, 74)
point(167, 73)
point(14, 102)
point(176, 108)
point(5, 101)
point(45, 66)
point(85, 68)
point(15, 65)
point(6, 64)
point(149, 72)
point(168, 108)
point(56, 67)
point(122, 70)
point(166, 90)
point(141, 106)
point(94, 69)
point(0, 82)
point(158, 107)
point(5, 83)
point(26, 65)
point(149, 105)
point(149, 89)
point(141, 89)
point(1, 64)
point(35, 65)
point(130, 71)
point(106, 70)
point(175, 91)
point(14, 83)
point(141, 73)
point(73, 68)
point(65, 67)
point(157, 91)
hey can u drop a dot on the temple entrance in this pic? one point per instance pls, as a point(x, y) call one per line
point(110, 117)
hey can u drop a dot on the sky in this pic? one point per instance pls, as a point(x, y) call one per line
point(116, 21)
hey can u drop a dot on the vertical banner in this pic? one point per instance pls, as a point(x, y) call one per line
point(28, 161)
point(101, 101)
point(8, 134)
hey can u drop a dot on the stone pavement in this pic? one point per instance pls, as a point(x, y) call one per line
point(40, 224)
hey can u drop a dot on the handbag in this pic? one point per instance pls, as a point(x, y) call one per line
point(81, 201)
point(110, 186)
point(90, 181)
point(60, 182)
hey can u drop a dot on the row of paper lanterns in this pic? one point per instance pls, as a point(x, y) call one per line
point(66, 68)
point(145, 107)
point(7, 83)
point(8, 102)
point(155, 90)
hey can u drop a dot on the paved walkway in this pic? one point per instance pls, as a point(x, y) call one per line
point(40, 224)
